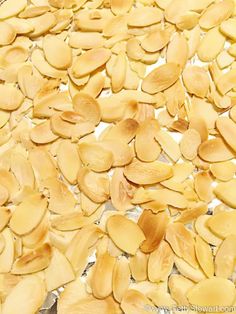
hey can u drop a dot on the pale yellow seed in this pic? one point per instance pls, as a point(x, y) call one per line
point(215, 150)
point(168, 144)
point(11, 8)
point(196, 81)
point(118, 72)
point(7, 34)
point(189, 144)
point(121, 6)
point(125, 233)
point(211, 45)
point(216, 13)
point(177, 51)
point(10, 97)
point(212, 292)
point(223, 171)
point(226, 81)
point(204, 256)
point(147, 173)
point(140, 17)
point(51, 46)
point(225, 257)
point(161, 78)
point(90, 61)
point(156, 40)
point(223, 223)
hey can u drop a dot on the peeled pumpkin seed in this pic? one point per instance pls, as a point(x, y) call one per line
point(51, 45)
point(90, 61)
point(119, 7)
point(28, 214)
point(225, 257)
point(215, 150)
point(154, 228)
point(213, 291)
point(211, 45)
point(160, 262)
point(119, 227)
point(161, 78)
point(33, 261)
point(11, 8)
point(8, 34)
point(120, 278)
point(196, 81)
point(147, 173)
point(182, 242)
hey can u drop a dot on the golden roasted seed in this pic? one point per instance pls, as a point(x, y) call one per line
point(125, 233)
point(182, 242)
point(161, 78)
point(214, 291)
point(147, 173)
point(90, 61)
